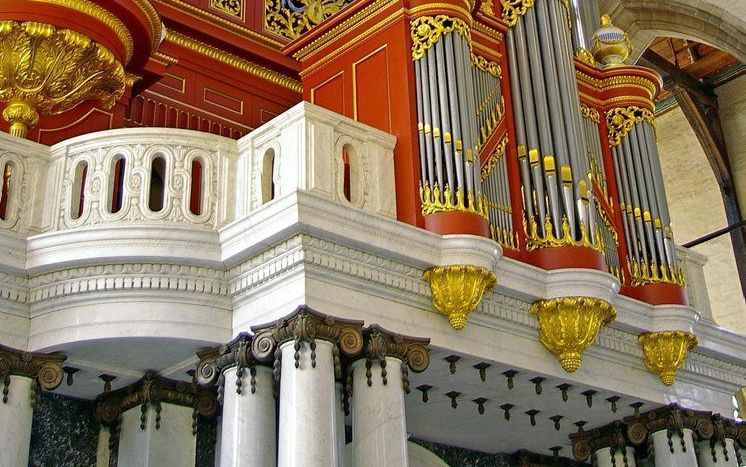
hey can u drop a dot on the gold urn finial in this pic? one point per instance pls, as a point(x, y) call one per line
point(47, 71)
point(569, 325)
point(457, 290)
point(611, 45)
point(666, 351)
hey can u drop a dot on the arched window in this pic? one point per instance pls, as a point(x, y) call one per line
point(195, 194)
point(268, 176)
point(5, 190)
point(157, 192)
point(77, 197)
point(350, 176)
point(346, 173)
point(116, 185)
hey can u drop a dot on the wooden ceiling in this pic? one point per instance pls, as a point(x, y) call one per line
point(700, 61)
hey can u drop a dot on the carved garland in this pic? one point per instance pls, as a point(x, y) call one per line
point(154, 390)
point(622, 120)
point(46, 369)
point(514, 9)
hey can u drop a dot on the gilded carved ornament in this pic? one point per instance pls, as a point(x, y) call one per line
point(457, 290)
point(293, 18)
point(514, 9)
point(434, 201)
point(426, 31)
point(621, 120)
point(569, 325)
point(536, 241)
point(666, 351)
point(45, 369)
point(47, 71)
point(643, 273)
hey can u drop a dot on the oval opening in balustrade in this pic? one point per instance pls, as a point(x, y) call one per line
point(350, 176)
point(116, 184)
point(195, 193)
point(157, 190)
point(77, 196)
point(5, 190)
point(268, 176)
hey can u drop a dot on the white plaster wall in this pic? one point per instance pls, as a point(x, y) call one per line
point(732, 100)
point(696, 210)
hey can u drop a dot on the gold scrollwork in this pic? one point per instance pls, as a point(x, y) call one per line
point(590, 113)
point(535, 240)
point(457, 290)
point(427, 30)
point(514, 9)
point(48, 71)
point(585, 56)
point(435, 200)
point(483, 64)
point(229, 7)
point(498, 153)
point(569, 325)
point(621, 120)
point(666, 351)
point(294, 22)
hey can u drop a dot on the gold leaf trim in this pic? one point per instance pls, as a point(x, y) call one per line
point(234, 61)
point(621, 120)
point(435, 200)
point(427, 31)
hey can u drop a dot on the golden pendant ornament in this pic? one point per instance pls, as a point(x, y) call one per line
point(666, 351)
point(457, 290)
point(48, 71)
point(569, 325)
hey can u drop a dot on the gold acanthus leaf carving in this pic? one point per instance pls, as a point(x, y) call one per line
point(427, 30)
point(457, 290)
point(48, 71)
point(666, 351)
point(293, 18)
point(622, 120)
point(569, 325)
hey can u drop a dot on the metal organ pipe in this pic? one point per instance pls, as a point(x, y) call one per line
point(453, 105)
point(445, 112)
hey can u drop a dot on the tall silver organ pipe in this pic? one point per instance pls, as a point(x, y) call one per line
point(497, 193)
point(585, 19)
point(645, 216)
point(551, 136)
point(459, 105)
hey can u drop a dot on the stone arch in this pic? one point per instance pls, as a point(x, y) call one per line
point(701, 20)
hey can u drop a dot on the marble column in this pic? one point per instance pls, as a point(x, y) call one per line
point(379, 427)
point(103, 453)
point(16, 414)
point(339, 420)
point(674, 448)
point(159, 436)
point(248, 432)
point(717, 454)
point(619, 458)
point(308, 429)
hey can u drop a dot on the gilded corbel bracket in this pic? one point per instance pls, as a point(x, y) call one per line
point(48, 71)
point(666, 351)
point(458, 289)
point(569, 325)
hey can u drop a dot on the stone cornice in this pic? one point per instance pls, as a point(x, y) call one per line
point(46, 369)
point(153, 389)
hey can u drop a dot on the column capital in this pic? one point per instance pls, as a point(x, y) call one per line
point(585, 443)
point(307, 325)
point(380, 343)
point(154, 389)
point(45, 368)
point(672, 417)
